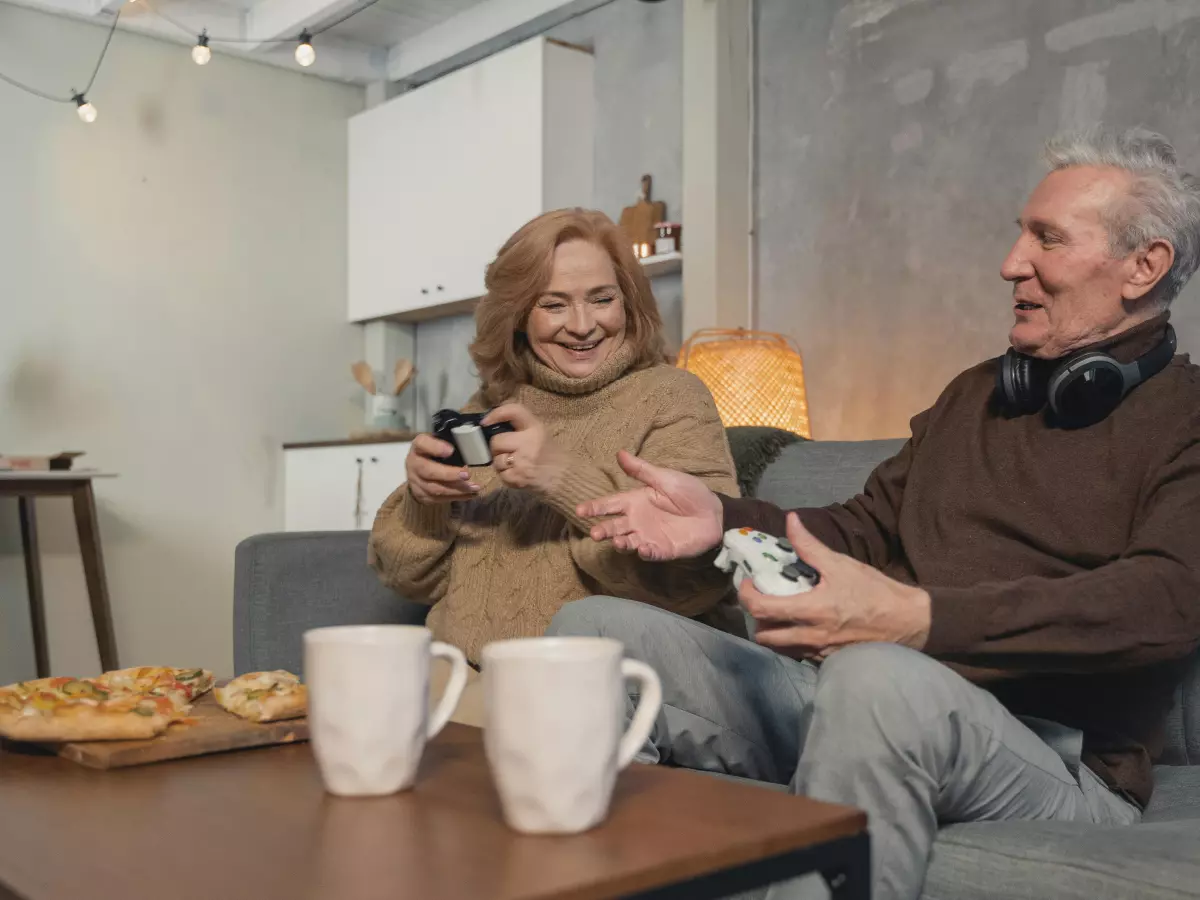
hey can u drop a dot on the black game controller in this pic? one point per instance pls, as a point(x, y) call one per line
point(470, 439)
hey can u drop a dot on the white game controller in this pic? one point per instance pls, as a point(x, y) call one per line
point(769, 561)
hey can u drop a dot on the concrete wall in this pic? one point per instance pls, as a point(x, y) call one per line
point(172, 301)
point(639, 89)
point(897, 141)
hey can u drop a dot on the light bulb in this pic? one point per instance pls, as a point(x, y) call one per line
point(305, 54)
point(86, 111)
point(200, 53)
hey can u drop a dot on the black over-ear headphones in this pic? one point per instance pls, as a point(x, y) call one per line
point(1081, 389)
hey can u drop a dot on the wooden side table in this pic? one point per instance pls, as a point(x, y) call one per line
point(26, 487)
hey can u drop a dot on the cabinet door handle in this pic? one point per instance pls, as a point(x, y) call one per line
point(440, 288)
point(424, 290)
point(374, 459)
point(358, 496)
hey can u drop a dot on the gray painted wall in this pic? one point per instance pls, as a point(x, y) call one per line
point(897, 141)
point(639, 125)
point(167, 306)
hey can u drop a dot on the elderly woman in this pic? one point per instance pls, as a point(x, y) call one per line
point(570, 352)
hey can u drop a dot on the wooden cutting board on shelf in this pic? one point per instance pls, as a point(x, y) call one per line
point(215, 731)
point(638, 221)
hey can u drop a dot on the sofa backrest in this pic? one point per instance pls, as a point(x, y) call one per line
point(817, 473)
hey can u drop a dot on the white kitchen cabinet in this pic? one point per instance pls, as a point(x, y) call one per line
point(340, 488)
point(441, 176)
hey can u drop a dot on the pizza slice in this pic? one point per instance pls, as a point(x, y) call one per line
point(264, 696)
point(181, 686)
point(31, 712)
point(123, 704)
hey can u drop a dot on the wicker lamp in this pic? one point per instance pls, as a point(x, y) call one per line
point(756, 377)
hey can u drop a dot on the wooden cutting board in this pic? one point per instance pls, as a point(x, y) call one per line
point(638, 221)
point(215, 731)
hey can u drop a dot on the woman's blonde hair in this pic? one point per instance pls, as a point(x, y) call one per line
point(520, 274)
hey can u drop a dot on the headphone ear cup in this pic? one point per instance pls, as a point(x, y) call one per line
point(1086, 390)
point(1019, 384)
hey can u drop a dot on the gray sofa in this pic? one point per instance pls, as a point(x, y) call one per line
point(287, 583)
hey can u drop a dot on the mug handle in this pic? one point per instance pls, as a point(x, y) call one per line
point(647, 710)
point(454, 687)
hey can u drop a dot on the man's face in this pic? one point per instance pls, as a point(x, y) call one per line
point(1068, 291)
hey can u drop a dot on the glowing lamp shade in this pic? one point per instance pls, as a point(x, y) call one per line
point(755, 377)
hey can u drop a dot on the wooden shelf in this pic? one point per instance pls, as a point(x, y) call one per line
point(663, 264)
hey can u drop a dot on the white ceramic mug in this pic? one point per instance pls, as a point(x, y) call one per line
point(368, 698)
point(553, 722)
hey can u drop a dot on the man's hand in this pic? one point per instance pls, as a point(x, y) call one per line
point(673, 517)
point(852, 604)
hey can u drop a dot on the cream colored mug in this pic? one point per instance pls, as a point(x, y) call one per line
point(554, 713)
point(368, 699)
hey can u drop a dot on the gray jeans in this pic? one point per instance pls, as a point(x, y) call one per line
point(877, 726)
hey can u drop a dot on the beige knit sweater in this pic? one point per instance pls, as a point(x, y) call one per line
point(502, 564)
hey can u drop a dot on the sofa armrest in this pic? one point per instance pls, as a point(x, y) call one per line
point(285, 584)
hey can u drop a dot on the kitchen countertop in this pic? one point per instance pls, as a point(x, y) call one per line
point(391, 437)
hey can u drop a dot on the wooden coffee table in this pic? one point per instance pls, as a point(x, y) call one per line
point(258, 823)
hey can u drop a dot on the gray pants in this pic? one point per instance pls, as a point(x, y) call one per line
point(877, 726)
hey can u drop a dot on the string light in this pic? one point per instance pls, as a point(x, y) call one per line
point(305, 54)
point(200, 53)
point(86, 111)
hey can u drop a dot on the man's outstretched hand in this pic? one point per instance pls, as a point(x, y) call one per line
point(673, 517)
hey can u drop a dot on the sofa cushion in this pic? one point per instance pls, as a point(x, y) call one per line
point(1183, 724)
point(1176, 795)
point(1158, 858)
point(817, 473)
point(1066, 861)
point(285, 584)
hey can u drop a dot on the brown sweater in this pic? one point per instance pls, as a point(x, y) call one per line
point(1064, 566)
point(501, 565)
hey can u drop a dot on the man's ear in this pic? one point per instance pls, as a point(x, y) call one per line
point(1150, 265)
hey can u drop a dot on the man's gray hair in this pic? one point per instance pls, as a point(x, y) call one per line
point(1165, 200)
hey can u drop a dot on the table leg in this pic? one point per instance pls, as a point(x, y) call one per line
point(33, 583)
point(850, 878)
point(93, 571)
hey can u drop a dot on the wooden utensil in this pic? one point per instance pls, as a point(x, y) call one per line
point(404, 374)
point(364, 376)
point(214, 731)
point(638, 221)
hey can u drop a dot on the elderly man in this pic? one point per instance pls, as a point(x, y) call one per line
point(1002, 614)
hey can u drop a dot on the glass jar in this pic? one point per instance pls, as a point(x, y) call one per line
point(669, 239)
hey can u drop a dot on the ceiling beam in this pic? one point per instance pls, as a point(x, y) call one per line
point(271, 20)
point(476, 33)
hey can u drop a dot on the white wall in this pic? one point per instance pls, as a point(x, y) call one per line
point(172, 301)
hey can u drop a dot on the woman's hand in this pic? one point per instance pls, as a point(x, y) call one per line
point(431, 481)
point(525, 458)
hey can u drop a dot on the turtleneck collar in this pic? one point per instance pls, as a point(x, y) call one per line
point(545, 378)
